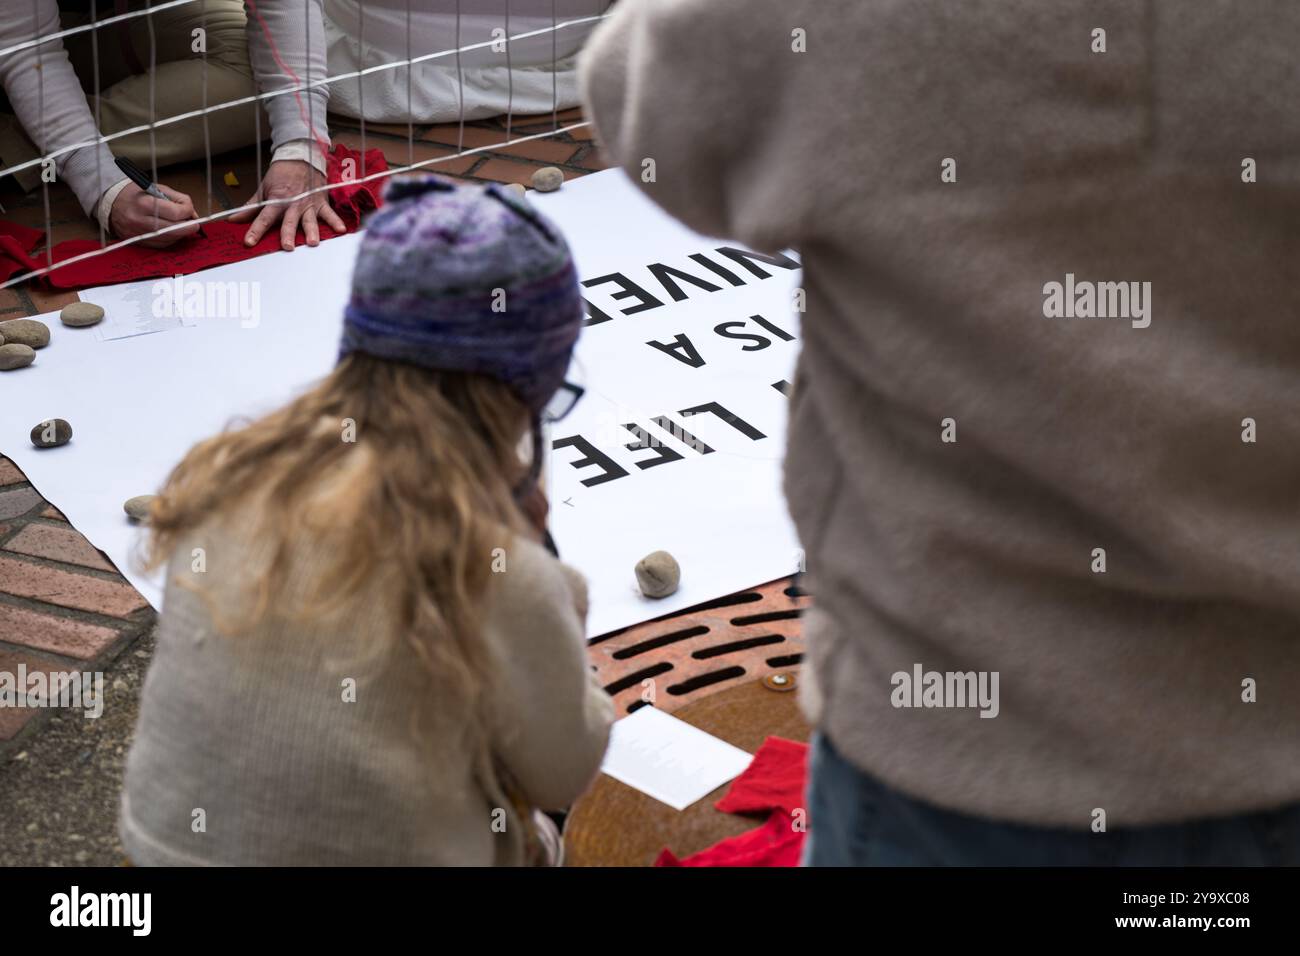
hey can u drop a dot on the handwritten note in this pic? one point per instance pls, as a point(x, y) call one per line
point(669, 759)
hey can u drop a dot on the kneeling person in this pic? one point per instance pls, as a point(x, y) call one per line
point(341, 677)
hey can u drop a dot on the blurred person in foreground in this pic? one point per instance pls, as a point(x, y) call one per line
point(1044, 427)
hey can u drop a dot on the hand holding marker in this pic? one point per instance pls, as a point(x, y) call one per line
point(149, 206)
point(140, 178)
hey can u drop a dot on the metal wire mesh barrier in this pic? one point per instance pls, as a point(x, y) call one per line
point(56, 104)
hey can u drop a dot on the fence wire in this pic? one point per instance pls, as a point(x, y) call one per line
point(47, 46)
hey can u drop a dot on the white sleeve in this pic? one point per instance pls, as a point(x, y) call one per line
point(278, 46)
point(49, 102)
point(303, 150)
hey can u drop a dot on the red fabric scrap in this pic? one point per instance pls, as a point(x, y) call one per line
point(220, 241)
point(15, 243)
point(775, 843)
point(774, 781)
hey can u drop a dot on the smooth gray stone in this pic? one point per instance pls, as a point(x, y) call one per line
point(548, 179)
point(658, 574)
point(30, 332)
point(16, 356)
point(79, 315)
point(43, 437)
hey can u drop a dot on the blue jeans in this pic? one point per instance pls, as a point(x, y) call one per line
point(855, 820)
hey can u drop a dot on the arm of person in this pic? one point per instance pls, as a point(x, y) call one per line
point(551, 719)
point(286, 43)
point(693, 98)
point(51, 106)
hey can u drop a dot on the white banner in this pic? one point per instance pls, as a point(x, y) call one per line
point(689, 349)
point(690, 345)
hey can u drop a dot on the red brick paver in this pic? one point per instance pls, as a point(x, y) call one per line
point(515, 171)
point(62, 605)
point(58, 544)
point(51, 585)
point(18, 501)
point(14, 718)
point(9, 473)
point(58, 635)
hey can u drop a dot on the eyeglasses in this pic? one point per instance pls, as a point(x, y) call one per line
point(566, 396)
point(562, 402)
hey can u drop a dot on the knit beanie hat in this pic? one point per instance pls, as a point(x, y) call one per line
point(468, 278)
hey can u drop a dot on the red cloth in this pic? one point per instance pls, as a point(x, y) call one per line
point(15, 243)
point(220, 241)
point(774, 781)
point(775, 843)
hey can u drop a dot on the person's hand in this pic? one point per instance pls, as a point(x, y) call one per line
point(135, 213)
point(284, 179)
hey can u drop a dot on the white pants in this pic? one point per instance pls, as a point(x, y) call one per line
point(541, 74)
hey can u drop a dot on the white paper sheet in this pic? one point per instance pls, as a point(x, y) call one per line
point(138, 403)
point(133, 314)
point(669, 759)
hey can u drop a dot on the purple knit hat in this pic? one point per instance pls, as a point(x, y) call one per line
point(468, 278)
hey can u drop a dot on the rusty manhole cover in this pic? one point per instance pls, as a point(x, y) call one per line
point(750, 635)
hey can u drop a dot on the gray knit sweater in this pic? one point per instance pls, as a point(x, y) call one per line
point(1103, 532)
point(253, 748)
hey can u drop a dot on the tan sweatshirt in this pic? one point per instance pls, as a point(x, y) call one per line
point(986, 475)
point(306, 745)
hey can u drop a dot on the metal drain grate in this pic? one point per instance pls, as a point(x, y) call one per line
point(742, 637)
